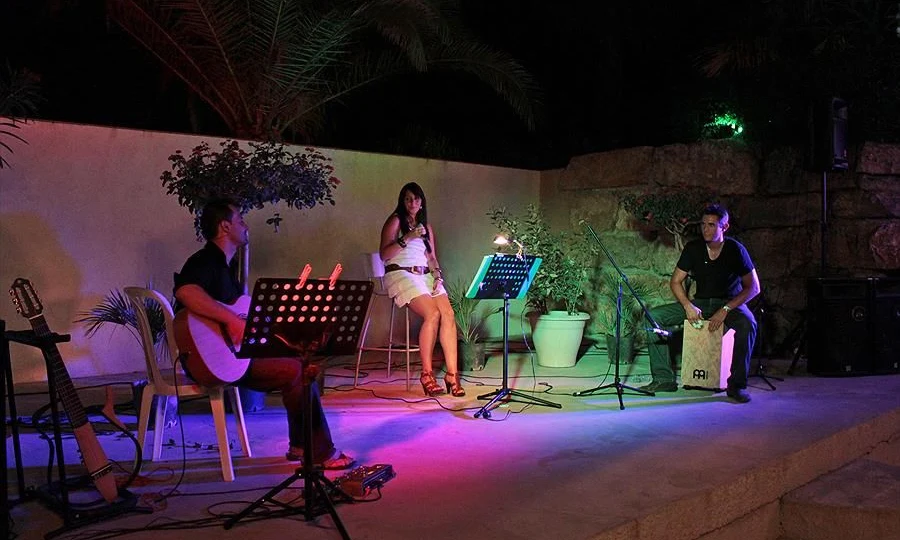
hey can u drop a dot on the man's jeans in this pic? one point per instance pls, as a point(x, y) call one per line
point(671, 315)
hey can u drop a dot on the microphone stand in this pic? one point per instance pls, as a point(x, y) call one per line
point(617, 384)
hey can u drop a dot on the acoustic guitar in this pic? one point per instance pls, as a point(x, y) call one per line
point(206, 347)
point(28, 304)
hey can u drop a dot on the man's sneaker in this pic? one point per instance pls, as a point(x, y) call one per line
point(660, 386)
point(741, 395)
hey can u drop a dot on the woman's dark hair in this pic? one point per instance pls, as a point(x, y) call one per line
point(214, 212)
point(421, 218)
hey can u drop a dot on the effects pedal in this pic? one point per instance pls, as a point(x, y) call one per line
point(360, 481)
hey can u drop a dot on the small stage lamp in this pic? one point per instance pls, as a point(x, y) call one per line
point(502, 240)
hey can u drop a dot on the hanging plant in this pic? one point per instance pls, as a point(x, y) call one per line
point(266, 174)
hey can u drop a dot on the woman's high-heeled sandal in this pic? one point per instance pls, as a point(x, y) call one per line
point(430, 385)
point(453, 385)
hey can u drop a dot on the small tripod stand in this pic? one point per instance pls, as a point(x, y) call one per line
point(316, 498)
point(762, 307)
point(617, 384)
point(287, 317)
point(502, 276)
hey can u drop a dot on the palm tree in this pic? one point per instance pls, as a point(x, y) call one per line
point(269, 66)
point(18, 100)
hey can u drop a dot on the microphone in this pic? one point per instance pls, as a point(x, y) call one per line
point(660, 332)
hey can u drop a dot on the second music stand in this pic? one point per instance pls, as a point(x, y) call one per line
point(503, 277)
point(288, 317)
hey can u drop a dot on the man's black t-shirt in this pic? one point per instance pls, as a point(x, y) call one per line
point(208, 269)
point(720, 278)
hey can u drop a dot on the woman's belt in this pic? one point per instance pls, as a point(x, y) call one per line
point(410, 269)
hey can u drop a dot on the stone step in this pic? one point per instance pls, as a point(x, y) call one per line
point(860, 501)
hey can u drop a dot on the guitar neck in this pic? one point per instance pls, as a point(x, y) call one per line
point(57, 370)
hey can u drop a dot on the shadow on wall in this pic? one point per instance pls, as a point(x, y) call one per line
point(162, 259)
point(31, 249)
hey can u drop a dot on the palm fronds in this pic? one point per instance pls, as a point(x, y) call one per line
point(116, 309)
point(18, 99)
point(271, 65)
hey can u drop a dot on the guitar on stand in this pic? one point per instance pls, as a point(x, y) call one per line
point(115, 501)
point(28, 304)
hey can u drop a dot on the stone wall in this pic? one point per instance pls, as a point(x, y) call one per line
point(776, 208)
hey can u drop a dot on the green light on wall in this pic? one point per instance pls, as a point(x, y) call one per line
point(723, 126)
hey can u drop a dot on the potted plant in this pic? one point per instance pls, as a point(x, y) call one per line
point(601, 302)
point(558, 286)
point(468, 325)
point(116, 309)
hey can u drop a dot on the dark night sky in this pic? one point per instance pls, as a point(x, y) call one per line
point(612, 74)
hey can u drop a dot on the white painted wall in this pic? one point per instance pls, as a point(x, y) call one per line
point(83, 211)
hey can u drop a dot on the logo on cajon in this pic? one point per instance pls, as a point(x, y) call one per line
point(699, 374)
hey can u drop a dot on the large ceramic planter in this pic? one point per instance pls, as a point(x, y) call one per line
point(557, 338)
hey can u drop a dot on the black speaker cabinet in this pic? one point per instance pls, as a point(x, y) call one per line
point(839, 326)
point(886, 325)
point(828, 120)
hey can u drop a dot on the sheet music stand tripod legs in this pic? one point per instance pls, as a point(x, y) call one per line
point(502, 276)
point(316, 499)
point(302, 319)
point(505, 392)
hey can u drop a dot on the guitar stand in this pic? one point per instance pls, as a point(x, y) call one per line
point(56, 494)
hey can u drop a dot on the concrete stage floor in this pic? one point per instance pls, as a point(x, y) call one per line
point(677, 466)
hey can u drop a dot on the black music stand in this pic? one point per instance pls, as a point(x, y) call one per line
point(287, 319)
point(617, 384)
point(505, 276)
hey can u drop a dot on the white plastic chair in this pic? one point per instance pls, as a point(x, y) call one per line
point(162, 383)
point(375, 271)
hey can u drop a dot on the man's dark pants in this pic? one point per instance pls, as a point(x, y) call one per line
point(672, 315)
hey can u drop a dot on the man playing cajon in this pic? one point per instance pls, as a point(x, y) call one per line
point(726, 280)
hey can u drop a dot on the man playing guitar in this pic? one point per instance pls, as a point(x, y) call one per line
point(207, 288)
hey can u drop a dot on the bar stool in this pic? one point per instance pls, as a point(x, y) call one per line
point(375, 271)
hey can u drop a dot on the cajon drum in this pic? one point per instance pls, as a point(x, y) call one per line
point(706, 357)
